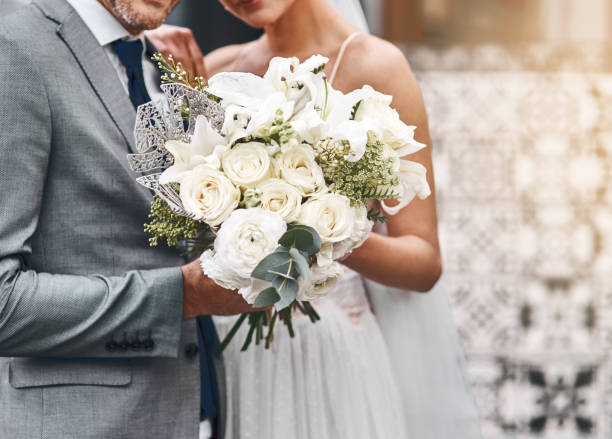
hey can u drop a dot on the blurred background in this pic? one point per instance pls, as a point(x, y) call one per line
point(519, 94)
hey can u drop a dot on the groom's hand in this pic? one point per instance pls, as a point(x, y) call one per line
point(202, 296)
point(180, 42)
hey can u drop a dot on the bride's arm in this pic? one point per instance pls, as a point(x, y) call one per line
point(409, 257)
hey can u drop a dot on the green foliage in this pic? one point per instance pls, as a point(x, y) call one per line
point(267, 297)
point(166, 225)
point(371, 177)
point(303, 238)
point(354, 110)
point(377, 216)
point(283, 267)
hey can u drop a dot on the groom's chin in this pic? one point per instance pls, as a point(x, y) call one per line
point(143, 14)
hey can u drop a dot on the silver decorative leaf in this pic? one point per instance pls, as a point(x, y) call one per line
point(156, 124)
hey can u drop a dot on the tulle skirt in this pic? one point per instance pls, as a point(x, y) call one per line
point(333, 380)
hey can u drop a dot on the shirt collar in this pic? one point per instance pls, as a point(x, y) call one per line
point(102, 24)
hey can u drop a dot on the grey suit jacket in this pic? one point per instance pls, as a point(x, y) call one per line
point(81, 293)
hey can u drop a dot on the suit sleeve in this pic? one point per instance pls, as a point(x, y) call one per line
point(47, 314)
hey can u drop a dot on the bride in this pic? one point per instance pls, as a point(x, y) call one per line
point(341, 377)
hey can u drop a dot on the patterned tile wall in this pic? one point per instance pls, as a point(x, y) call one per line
point(523, 158)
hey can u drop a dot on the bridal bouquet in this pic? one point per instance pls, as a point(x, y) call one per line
point(270, 179)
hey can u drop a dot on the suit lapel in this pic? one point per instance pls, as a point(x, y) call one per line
point(94, 62)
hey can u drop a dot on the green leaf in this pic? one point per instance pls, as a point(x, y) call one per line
point(301, 263)
point(267, 297)
point(303, 238)
point(273, 262)
point(288, 289)
point(354, 110)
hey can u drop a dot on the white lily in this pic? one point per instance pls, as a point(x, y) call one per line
point(413, 182)
point(356, 133)
point(205, 147)
point(242, 89)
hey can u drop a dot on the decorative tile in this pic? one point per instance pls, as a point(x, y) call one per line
point(522, 145)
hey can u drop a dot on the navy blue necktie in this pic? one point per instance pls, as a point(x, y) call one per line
point(130, 55)
point(209, 393)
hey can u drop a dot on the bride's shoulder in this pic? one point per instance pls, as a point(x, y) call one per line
point(222, 59)
point(378, 63)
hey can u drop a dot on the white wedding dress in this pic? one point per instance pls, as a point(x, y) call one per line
point(333, 380)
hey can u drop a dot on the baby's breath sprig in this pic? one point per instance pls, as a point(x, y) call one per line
point(166, 225)
point(172, 71)
point(200, 83)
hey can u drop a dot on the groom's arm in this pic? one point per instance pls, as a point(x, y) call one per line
point(45, 314)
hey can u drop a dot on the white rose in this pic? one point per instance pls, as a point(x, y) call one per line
point(395, 133)
point(246, 164)
point(208, 195)
point(321, 281)
point(330, 215)
point(279, 196)
point(243, 240)
point(298, 167)
point(361, 230)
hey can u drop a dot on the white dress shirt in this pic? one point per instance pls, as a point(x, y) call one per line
point(106, 29)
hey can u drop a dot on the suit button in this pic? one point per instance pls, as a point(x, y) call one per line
point(148, 344)
point(111, 346)
point(191, 350)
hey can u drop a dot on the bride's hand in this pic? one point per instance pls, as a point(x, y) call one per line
point(180, 42)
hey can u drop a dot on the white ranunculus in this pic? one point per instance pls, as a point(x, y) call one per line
point(278, 196)
point(298, 167)
point(208, 194)
point(243, 240)
point(205, 147)
point(413, 182)
point(247, 164)
point(321, 281)
point(395, 133)
point(331, 215)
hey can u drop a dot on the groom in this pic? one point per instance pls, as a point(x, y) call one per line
point(97, 331)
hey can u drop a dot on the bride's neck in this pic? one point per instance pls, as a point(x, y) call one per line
point(308, 26)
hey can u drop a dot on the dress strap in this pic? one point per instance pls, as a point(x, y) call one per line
point(345, 44)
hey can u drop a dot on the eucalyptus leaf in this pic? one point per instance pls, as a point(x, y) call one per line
point(301, 263)
point(273, 262)
point(287, 289)
point(303, 238)
point(267, 297)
